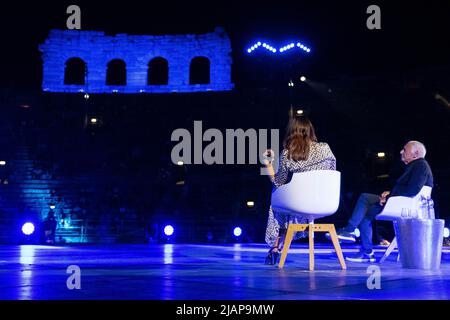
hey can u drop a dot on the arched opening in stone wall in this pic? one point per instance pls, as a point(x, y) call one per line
point(199, 71)
point(158, 71)
point(75, 71)
point(116, 73)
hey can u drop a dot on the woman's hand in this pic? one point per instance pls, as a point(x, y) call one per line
point(268, 157)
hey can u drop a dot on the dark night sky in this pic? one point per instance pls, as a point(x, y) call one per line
point(413, 34)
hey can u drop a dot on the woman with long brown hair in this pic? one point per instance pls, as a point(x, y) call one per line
point(301, 152)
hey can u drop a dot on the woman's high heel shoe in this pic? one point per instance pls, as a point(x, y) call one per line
point(272, 256)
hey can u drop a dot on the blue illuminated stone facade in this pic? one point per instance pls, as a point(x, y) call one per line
point(97, 49)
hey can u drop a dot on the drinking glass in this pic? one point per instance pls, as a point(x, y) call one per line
point(404, 213)
point(414, 213)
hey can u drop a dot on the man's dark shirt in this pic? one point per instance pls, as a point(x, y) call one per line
point(417, 174)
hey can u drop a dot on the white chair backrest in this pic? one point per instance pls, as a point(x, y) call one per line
point(393, 207)
point(310, 194)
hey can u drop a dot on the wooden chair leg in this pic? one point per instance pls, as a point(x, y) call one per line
point(311, 247)
point(287, 244)
point(312, 228)
point(388, 251)
point(337, 247)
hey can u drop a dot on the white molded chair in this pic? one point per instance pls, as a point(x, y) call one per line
point(393, 209)
point(311, 195)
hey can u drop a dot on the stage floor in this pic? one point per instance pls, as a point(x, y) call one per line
point(207, 272)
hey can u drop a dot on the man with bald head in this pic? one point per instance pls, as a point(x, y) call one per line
point(417, 174)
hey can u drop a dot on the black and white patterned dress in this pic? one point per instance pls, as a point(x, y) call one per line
point(320, 158)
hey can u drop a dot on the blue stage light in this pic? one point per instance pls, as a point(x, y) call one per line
point(357, 233)
point(281, 49)
point(237, 231)
point(28, 228)
point(168, 230)
point(446, 233)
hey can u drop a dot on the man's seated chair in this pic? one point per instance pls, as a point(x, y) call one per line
point(310, 195)
point(393, 211)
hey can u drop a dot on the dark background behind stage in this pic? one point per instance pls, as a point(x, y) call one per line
point(368, 91)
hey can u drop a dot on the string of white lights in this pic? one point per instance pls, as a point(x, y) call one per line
point(280, 50)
